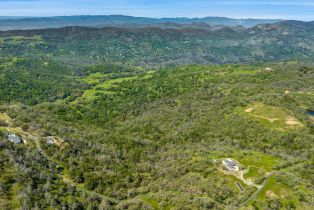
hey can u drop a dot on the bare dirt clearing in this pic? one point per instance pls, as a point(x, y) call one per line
point(293, 122)
point(271, 116)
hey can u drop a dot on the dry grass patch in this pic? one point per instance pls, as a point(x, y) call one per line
point(293, 122)
point(249, 110)
point(270, 194)
point(272, 116)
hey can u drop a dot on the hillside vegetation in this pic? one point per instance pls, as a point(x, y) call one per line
point(164, 45)
point(129, 138)
point(185, 114)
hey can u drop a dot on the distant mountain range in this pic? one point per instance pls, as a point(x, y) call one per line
point(22, 23)
point(12, 17)
point(170, 43)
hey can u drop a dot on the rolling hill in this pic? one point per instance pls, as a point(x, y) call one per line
point(129, 138)
point(153, 46)
point(7, 23)
point(161, 114)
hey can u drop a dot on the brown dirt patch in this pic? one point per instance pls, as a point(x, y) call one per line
point(292, 122)
point(284, 194)
point(271, 194)
point(248, 110)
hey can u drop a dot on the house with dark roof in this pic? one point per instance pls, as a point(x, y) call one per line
point(231, 165)
point(14, 138)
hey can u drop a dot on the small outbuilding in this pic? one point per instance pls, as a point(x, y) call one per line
point(14, 138)
point(268, 69)
point(54, 140)
point(50, 140)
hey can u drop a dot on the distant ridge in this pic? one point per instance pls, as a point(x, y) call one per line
point(16, 23)
point(169, 44)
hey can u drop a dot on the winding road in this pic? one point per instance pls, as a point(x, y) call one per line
point(258, 191)
point(239, 175)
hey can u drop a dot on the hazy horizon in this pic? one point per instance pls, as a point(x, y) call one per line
point(247, 18)
point(236, 9)
point(52, 16)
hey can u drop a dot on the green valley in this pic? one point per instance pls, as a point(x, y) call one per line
point(140, 139)
point(118, 112)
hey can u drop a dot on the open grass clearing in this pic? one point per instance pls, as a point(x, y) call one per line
point(7, 62)
point(253, 173)
point(259, 160)
point(271, 116)
point(150, 201)
point(25, 136)
point(149, 74)
point(95, 78)
point(114, 82)
point(19, 39)
point(5, 118)
point(245, 72)
point(275, 190)
point(249, 158)
point(232, 182)
point(101, 88)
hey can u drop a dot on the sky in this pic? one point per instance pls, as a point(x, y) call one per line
point(270, 9)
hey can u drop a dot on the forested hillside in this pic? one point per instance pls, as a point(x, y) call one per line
point(161, 46)
point(135, 138)
point(161, 115)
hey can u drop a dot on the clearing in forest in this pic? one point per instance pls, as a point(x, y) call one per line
point(95, 78)
point(272, 116)
point(7, 126)
point(102, 84)
point(103, 88)
point(258, 171)
point(15, 40)
point(4, 118)
point(275, 190)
